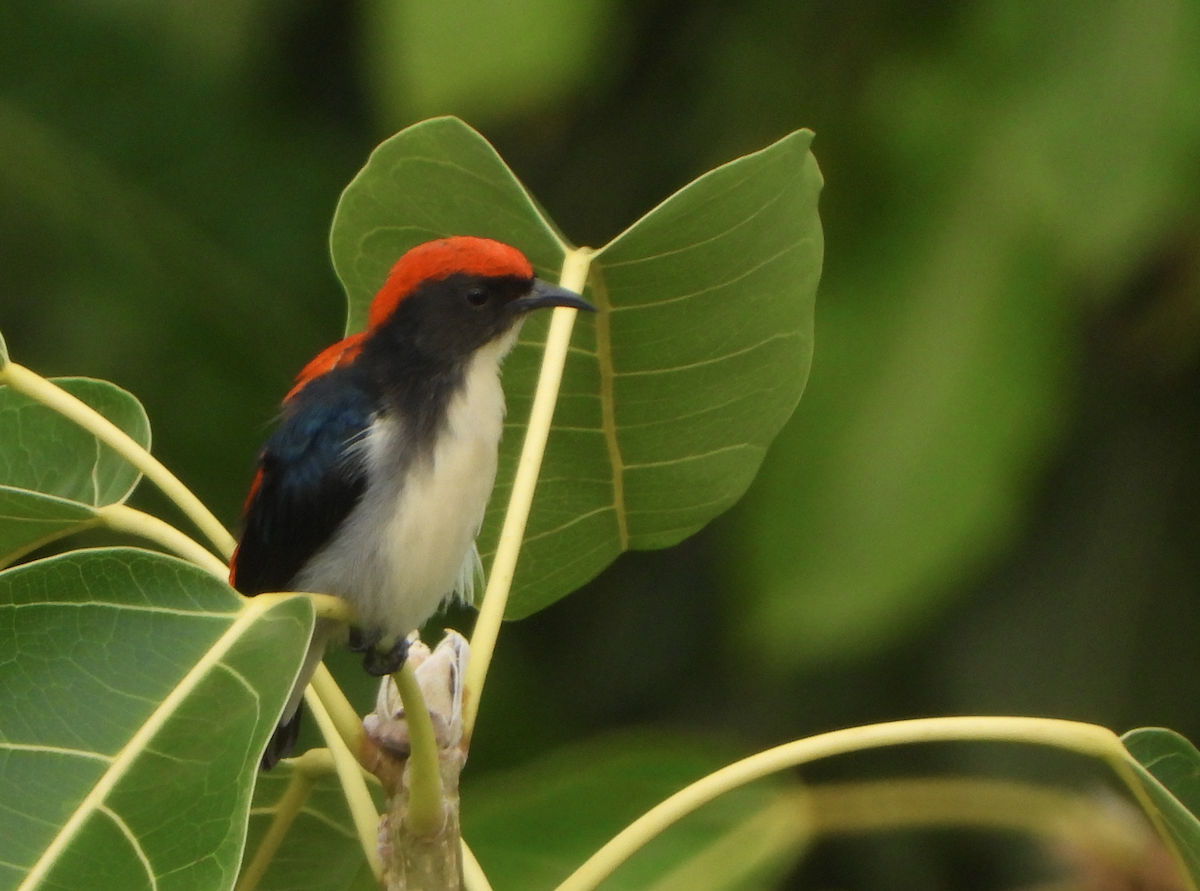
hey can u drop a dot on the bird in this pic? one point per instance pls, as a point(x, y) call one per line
point(373, 485)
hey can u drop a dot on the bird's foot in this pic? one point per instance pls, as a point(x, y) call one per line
point(377, 663)
point(363, 641)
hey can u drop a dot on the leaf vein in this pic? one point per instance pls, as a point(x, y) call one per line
point(782, 335)
point(55, 750)
point(573, 521)
point(133, 843)
point(795, 246)
point(138, 742)
point(697, 457)
point(80, 604)
point(744, 221)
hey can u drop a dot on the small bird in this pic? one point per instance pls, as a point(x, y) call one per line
point(374, 484)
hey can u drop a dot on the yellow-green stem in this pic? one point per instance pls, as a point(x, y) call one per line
point(495, 599)
point(122, 518)
point(12, 557)
point(341, 712)
point(354, 785)
point(1084, 739)
point(329, 606)
point(732, 859)
point(38, 388)
point(426, 813)
point(307, 769)
point(474, 878)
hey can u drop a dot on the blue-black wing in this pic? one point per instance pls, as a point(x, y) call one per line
point(309, 478)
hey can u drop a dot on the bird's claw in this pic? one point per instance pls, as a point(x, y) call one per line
point(377, 663)
point(363, 641)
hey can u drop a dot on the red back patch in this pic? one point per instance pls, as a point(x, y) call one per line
point(341, 353)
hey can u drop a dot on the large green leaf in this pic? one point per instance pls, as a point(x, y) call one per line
point(673, 391)
point(701, 352)
point(1172, 779)
point(42, 451)
point(434, 179)
point(31, 520)
point(321, 851)
point(53, 472)
point(136, 696)
point(532, 827)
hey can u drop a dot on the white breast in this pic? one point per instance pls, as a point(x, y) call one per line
point(410, 543)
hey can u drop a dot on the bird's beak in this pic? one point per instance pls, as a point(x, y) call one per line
point(544, 294)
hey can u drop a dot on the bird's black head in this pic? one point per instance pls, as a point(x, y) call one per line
point(445, 299)
point(452, 317)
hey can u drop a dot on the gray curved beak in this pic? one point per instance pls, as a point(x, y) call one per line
point(544, 294)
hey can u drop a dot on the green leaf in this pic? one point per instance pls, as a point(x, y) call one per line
point(700, 353)
point(321, 851)
point(42, 451)
point(31, 520)
point(52, 472)
point(1172, 760)
point(136, 696)
point(432, 180)
point(673, 391)
point(532, 827)
point(1171, 776)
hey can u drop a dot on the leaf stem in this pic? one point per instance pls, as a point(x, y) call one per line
point(1085, 739)
point(426, 812)
point(329, 606)
point(341, 712)
point(474, 878)
point(495, 599)
point(354, 785)
point(7, 560)
point(127, 520)
point(37, 387)
point(306, 770)
point(122, 518)
point(962, 802)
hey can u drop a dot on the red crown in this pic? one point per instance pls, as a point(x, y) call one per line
point(439, 259)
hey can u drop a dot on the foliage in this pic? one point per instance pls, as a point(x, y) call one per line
point(47, 491)
point(1173, 765)
point(993, 460)
point(139, 692)
point(751, 225)
point(698, 357)
point(184, 679)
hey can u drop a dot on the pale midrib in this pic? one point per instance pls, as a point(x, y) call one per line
point(138, 742)
point(608, 414)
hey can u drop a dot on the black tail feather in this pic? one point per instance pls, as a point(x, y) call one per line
point(282, 741)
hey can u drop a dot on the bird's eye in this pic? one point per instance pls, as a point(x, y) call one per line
point(477, 296)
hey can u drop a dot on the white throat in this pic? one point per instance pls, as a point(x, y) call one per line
point(409, 544)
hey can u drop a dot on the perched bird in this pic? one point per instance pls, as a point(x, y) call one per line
point(374, 484)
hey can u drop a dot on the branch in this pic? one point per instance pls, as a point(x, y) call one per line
point(495, 599)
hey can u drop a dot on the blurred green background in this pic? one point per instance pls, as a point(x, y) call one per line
point(989, 498)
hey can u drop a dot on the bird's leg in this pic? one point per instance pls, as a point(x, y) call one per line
point(375, 662)
point(363, 641)
point(378, 663)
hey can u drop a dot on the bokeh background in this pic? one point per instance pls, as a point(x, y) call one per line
point(989, 498)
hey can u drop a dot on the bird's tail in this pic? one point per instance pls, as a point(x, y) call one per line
point(283, 740)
